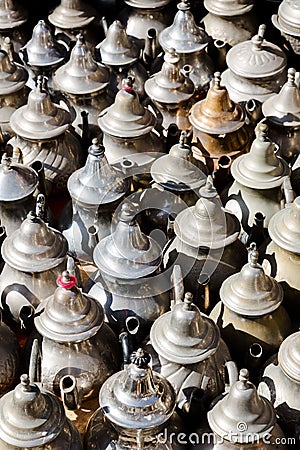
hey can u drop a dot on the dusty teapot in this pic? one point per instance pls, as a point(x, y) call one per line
point(9, 357)
point(136, 411)
point(287, 21)
point(33, 418)
point(96, 189)
point(12, 18)
point(250, 312)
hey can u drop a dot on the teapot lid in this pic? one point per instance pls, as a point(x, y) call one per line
point(256, 58)
point(12, 15)
point(261, 168)
point(97, 182)
point(81, 74)
point(217, 113)
point(251, 292)
point(147, 4)
point(288, 18)
point(207, 224)
point(185, 335)
point(40, 118)
point(289, 356)
point(118, 48)
point(34, 247)
point(228, 8)
point(42, 50)
point(137, 397)
point(184, 35)
point(12, 76)
point(177, 170)
point(16, 180)
point(284, 108)
point(169, 85)
point(72, 14)
point(284, 227)
point(242, 415)
point(68, 315)
point(126, 117)
point(127, 252)
point(29, 416)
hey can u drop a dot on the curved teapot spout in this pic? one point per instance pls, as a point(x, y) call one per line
point(151, 48)
point(253, 110)
point(69, 392)
point(233, 374)
point(34, 371)
point(196, 397)
point(178, 286)
point(15, 300)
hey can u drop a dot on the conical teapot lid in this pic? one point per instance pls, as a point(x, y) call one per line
point(68, 315)
point(289, 356)
point(72, 14)
point(284, 108)
point(118, 49)
point(12, 76)
point(207, 224)
point(228, 8)
point(42, 50)
point(137, 397)
point(251, 292)
point(97, 182)
point(288, 18)
point(256, 58)
point(127, 252)
point(261, 168)
point(217, 114)
point(34, 247)
point(242, 414)
point(30, 417)
point(16, 180)
point(184, 335)
point(126, 117)
point(284, 227)
point(40, 118)
point(12, 15)
point(184, 35)
point(177, 170)
point(81, 74)
point(169, 85)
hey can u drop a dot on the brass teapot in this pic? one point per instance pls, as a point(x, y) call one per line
point(31, 417)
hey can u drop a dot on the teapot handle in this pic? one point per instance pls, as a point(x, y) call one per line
point(35, 362)
point(233, 374)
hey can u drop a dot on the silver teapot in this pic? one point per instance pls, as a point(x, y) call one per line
point(9, 356)
point(287, 21)
point(95, 189)
point(136, 410)
point(250, 313)
point(34, 256)
point(190, 43)
point(84, 82)
point(12, 18)
point(43, 133)
point(128, 282)
point(34, 418)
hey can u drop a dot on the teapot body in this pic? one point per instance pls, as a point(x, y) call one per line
point(8, 104)
point(202, 68)
point(10, 358)
point(139, 20)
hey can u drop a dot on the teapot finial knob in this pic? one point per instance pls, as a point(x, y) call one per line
point(140, 358)
point(217, 80)
point(32, 216)
point(96, 149)
point(188, 300)
point(127, 84)
point(80, 39)
point(66, 280)
point(183, 138)
point(253, 255)
point(127, 212)
point(25, 381)
point(184, 5)
point(261, 131)
point(261, 31)
point(291, 76)
point(39, 83)
point(243, 378)
point(258, 39)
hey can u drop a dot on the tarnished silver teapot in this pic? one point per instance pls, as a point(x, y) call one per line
point(84, 82)
point(34, 256)
point(12, 18)
point(128, 282)
point(250, 311)
point(33, 418)
point(190, 43)
point(287, 21)
point(95, 189)
point(136, 411)
point(9, 357)
point(13, 93)
point(44, 133)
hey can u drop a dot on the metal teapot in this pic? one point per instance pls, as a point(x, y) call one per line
point(242, 419)
point(34, 256)
point(136, 410)
point(280, 384)
point(172, 92)
point(259, 177)
point(250, 311)
point(95, 189)
point(44, 134)
point(84, 82)
point(12, 18)
point(9, 357)
point(34, 418)
point(287, 21)
point(218, 126)
point(128, 282)
point(190, 43)
point(13, 93)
